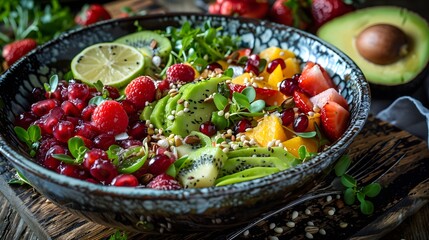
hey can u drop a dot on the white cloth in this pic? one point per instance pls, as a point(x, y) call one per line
point(408, 114)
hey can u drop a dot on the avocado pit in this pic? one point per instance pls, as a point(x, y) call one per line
point(382, 44)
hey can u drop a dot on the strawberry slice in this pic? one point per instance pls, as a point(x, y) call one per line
point(314, 79)
point(335, 120)
point(329, 95)
point(302, 102)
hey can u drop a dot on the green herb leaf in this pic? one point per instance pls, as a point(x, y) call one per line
point(99, 86)
point(171, 170)
point(97, 100)
point(257, 106)
point(219, 121)
point(302, 152)
point(372, 189)
point(64, 158)
point(360, 196)
point(229, 72)
point(53, 82)
point(118, 235)
point(367, 207)
point(220, 101)
point(349, 196)
point(250, 93)
point(34, 133)
point(74, 145)
point(241, 100)
point(342, 165)
point(348, 181)
point(19, 179)
point(22, 134)
point(306, 134)
point(112, 153)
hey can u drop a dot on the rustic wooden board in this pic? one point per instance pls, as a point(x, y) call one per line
point(47, 220)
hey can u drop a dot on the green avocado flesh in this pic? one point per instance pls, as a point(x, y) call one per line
point(342, 32)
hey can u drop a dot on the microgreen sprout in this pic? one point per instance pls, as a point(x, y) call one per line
point(30, 137)
point(19, 179)
point(119, 235)
point(243, 104)
point(77, 149)
point(354, 191)
point(52, 85)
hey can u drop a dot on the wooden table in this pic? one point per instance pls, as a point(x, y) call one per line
point(16, 217)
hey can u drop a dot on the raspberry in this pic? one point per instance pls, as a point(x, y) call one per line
point(180, 73)
point(140, 90)
point(164, 182)
point(110, 117)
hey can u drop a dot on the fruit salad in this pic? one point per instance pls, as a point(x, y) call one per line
point(181, 108)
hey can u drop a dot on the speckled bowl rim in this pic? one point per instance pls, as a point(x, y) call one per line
point(362, 107)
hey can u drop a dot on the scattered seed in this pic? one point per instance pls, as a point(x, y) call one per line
point(329, 198)
point(307, 211)
point(290, 224)
point(294, 215)
point(225, 150)
point(309, 235)
point(246, 233)
point(331, 211)
point(322, 231)
point(220, 113)
point(273, 238)
point(272, 225)
point(170, 117)
point(338, 196)
point(312, 229)
point(310, 223)
point(278, 230)
point(343, 224)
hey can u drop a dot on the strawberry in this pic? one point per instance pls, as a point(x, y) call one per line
point(243, 8)
point(110, 117)
point(90, 14)
point(290, 13)
point(325, 10)
point(302, 102)
point(314, 79)
point(329, 95)
point(180, 72)
point(15, 50)
point(140, 90)
point(334, 119)
point(164, 182)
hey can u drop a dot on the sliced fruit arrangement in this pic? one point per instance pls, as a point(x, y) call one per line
point(190, 124)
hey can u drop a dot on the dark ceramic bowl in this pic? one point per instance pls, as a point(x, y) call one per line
point(141, 209)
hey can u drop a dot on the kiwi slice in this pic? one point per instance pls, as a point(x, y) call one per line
point(149, 43)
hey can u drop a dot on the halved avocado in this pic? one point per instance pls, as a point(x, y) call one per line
point(407, 36)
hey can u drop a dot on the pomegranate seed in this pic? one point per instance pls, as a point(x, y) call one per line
point(87, 112)
point(50, 120)
point(287, 117)
point(301, 123)
point(208, 128)
point(164, 182)
point(242, 125)
point(159, 164)
point(50, 162)
point(70, 109)
point(163, 85)
point(92, 155)
point(125, 180)
point(38, 94)
point(251, 68)
point(78, 91)
point(127, 143)
point(92, 180)
point(128, 107)
point(86, 141)
point(212, 66)
point(288, 86)
point(254, 60)
point(113, 92)
point(63, 131)
point(25, 119)
point(79, 103)
point(73, 171)
point(43, 107)
point(86, 130)
point(104, 171)
point(45, 144)
point(273, 64)
point(138, 130)
point(104, 141)
point(295, 77)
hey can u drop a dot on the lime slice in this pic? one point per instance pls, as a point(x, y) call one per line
point(113, 64)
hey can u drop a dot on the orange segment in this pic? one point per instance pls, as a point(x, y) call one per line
point(272, 53)
point(270, 128)
point(315, 119)
point(275, 77)
point(292, 145)
point(292, 67)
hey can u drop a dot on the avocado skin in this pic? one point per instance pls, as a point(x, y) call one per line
point(392, 80)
